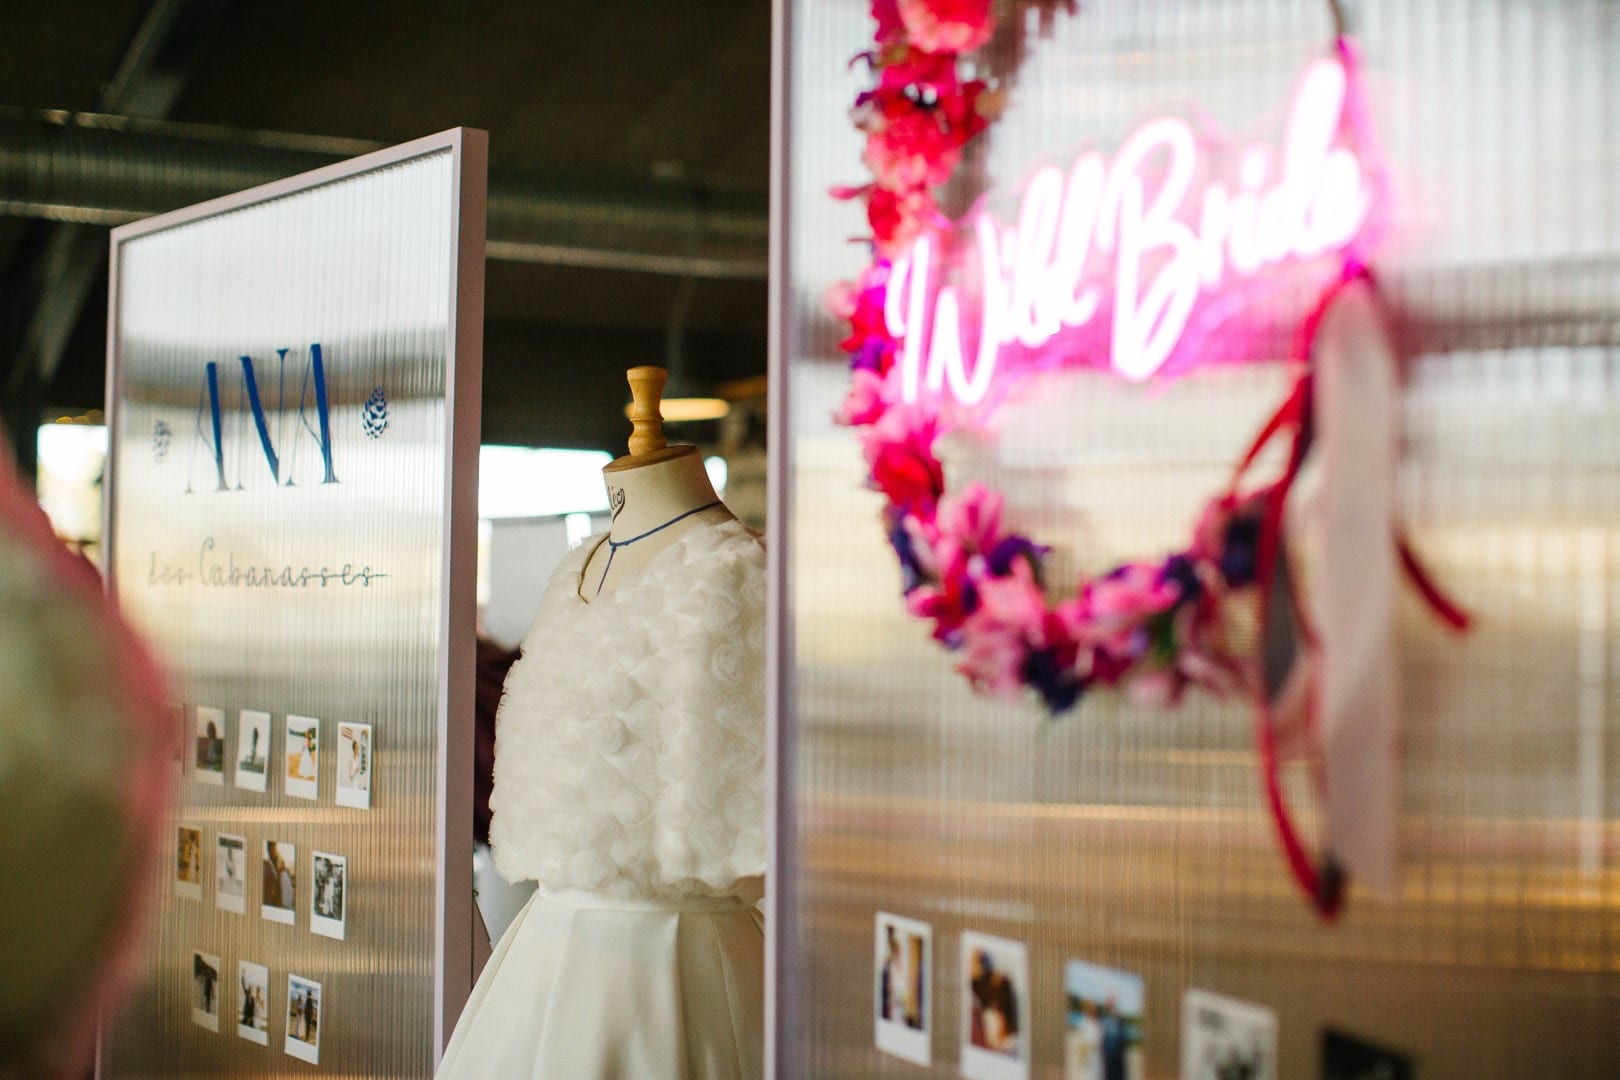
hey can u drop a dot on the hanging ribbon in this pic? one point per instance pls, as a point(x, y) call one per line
point(1336, 696)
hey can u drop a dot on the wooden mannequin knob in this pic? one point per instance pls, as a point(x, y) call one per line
point(646, 422)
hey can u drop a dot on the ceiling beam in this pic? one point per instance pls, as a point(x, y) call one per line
point(107, 170)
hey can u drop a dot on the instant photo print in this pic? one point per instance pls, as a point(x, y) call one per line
point(1103, 1036)
point(252, 750)
point(253, 1002)
point(304, 1020)
point(188, 862)
point(205, 990)
point(303, 763)
point(995, 1008)
point(230, 873)
point(279, 874)
point(210, 753)
point(328, 894)
point(1222, 1037)
point(902, 994)
point(354, 766)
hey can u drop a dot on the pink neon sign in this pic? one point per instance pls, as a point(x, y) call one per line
point(1128, 249)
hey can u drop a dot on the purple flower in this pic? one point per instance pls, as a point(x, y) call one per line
point(1000, 558)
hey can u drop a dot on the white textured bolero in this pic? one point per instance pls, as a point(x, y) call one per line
point(630, 743)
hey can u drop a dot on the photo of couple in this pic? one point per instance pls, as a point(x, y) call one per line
point(280, 882)
point(1104, 1037)
point(902, 995)
point(253, 1017)
point(995, 993)
point(303, 1038)
point(330, 886)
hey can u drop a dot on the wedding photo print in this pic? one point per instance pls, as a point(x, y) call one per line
point(1104, 1036)
point(279, 873)
point(995, 1008)
point(253, 1010)
point(205, 990)
point(252, 750)
point(903, 965)
point(303, 757)
point(210, 745)
point(1223, 1037)
point(328, 894)
point(354, 766)
point(304, 1018)
point(230, 873)
point(188, 863)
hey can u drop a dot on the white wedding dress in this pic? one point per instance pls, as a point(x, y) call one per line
point(629, 782)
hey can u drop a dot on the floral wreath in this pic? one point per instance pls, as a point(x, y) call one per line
point(1153, 627)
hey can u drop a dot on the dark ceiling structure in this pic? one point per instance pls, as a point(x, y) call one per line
point(629, 157)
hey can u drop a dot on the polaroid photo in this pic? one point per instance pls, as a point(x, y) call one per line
point(253, 1006)
point(1350, 1057)
point(303, 756)
point(995, 1008)
point(328, 894)
point(1222, 1037)
point(279, 901)
point(188, 863)
point(205, 990)
point(1103, 1040)
point(252, 749)
point(354, 766)
point(303, 1039)
point(210, 758)
point(230, 873)
point(902, 987)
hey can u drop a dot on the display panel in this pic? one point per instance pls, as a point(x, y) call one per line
point(293, 398)
point(1135, 839)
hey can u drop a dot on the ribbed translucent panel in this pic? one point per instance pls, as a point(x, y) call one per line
point(1136, 838)
point(274, 576)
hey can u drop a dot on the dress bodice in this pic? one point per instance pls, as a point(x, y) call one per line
point(630, 741)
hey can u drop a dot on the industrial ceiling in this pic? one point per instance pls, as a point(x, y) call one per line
point(629, 147)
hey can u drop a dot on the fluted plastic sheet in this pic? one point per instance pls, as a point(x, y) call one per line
point(1137, 838)
point(335, 583)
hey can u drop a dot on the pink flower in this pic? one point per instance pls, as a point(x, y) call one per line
point(947, 26)
point(898, 217)
point(1117, 606)
point(972, 518)
point(921, 76)
point(868, 342)
point(910, 148)
point(998, 636)
point(887, 15)
point(863, 403)
point(951, 598)
point(899, 448)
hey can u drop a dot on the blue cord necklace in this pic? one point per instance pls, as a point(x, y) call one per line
point(615, 545)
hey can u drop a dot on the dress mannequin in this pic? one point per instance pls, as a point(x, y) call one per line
point(629, 785)
point(653, 487)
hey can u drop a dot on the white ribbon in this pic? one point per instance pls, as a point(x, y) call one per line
point(1349, 526)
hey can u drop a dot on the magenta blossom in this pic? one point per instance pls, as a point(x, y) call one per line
point(899, 449)
point(897, 218)
point(951, 597)
point(972, 518)
point(864, 403)
point(996, 637)
point(1116, 607)
point(911, 148)
point(947, 26)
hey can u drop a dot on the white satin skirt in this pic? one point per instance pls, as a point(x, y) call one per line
point(583, 987)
